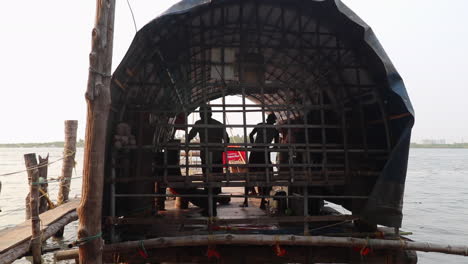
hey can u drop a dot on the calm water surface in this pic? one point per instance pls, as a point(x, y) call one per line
point(436, 200)
point(435, 208)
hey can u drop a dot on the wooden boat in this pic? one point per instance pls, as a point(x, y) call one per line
point(342, 112)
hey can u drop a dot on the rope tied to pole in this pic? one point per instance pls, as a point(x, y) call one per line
point(142, 250)
point(37, 166)
point(85, 240)
point(402, 242)
point(280, 252)
point(366, 249)
point(211, 252)
point(105, 75)
point(54, 180)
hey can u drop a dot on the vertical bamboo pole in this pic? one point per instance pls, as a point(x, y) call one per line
point(68, 164)
point(42, 173)
point(69, 151)
point(31, 165)
point(43, 170)
point(98, 101)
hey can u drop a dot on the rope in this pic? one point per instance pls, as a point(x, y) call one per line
point(105, 75)
point(142, 250)
point(402, 242)
point(211, 251)
point(212, 220)
point(280, 252)
point(70, 153)
point(6, 213)
point(85, 240)
point(133, 17)
point(46, 195)
point(41, 231)
point(365, 250)
point(55, 180)
point(322, 227)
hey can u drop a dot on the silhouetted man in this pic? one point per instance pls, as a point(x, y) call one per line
point(265, 135)
point(210, 135)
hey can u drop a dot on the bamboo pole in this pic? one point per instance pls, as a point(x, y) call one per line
point(69, 150)
point(98, 101)
point(271, 240)
point(33, 173)
point(65, 254)
point(289, 240)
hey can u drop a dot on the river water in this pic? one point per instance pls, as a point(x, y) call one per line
point(435, 205)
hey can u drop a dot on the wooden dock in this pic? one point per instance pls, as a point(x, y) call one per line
point(15, 241)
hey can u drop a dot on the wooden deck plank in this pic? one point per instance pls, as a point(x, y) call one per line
point(11, 237)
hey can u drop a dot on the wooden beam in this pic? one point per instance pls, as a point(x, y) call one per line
point(15, 242)
point(98, 101)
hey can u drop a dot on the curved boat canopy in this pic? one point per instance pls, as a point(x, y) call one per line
point(277, 52)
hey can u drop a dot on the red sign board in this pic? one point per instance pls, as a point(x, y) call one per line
point(235, 156)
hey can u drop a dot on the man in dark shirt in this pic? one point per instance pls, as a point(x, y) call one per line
point(210, 135)
point(265, 135)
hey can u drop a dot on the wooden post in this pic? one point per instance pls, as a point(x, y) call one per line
point(33, 174)
point(69, 150)
point(42, 173)
point(43, 170)
point(98, 101)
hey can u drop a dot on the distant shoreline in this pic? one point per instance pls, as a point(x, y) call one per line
point(440, 146)
point(55, 144)
point(80, 144)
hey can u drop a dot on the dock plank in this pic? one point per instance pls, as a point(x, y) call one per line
point(12, 238)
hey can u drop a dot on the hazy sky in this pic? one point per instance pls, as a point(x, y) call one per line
point(44, 51)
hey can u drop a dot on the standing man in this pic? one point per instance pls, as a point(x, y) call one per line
point(210, 153)
point(265, 135)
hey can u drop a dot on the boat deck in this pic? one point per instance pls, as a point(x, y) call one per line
point(232, 218)
point(15, 241)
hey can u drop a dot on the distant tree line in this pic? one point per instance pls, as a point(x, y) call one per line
point(454, 145)
point(237, 139)
point(55, 144)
